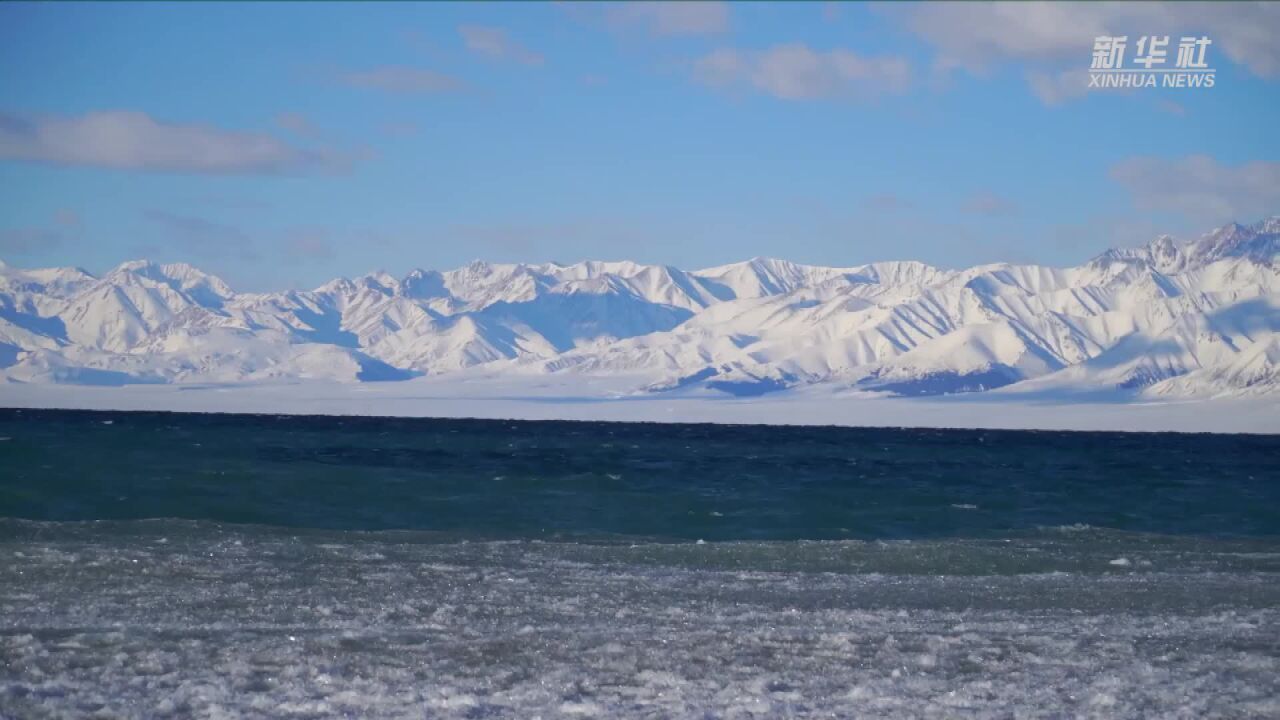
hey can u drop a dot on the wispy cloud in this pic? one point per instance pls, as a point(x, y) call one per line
point(1052, 39)
point(1200, 188)
point(66, 226)
point(308, 244)
point(989, 203)
point(495, 44)
point(975, 36)
point(67, 218)
point(399, 128)
point(797, 72)
point(215, 240)
point(298, 124)
point(201, 237)
point(131, 140)
point(401, 79)
point(887, 202)
point(226, 201)
point(671, 18)
point(26, 240)
point(1055, 88)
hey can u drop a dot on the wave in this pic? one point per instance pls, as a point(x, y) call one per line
point(1072, 549)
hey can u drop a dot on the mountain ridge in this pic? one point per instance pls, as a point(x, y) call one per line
point(1167, 319)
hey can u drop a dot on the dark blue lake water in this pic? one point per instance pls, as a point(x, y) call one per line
point(169, 565)
point(510, 480)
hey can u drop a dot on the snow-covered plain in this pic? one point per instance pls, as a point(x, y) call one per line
point(593, 401)
point(1168, 336)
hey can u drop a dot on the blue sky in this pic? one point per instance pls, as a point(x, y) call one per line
point(283, 144)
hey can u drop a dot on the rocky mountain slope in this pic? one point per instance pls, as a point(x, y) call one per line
point(1169, 319)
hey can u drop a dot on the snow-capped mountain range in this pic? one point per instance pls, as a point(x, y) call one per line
point(1170, 319)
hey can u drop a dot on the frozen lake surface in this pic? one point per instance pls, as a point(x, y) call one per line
point(180, 566)
point(191, 619)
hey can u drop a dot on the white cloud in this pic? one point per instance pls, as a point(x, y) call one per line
point(1200, 188)
point(989, 203)
point(494, 43)
point(722, 67)
point(401, 79)
point(672, 18)
point(797, 72)
point(400, 128)
point(975, 36)
point(201, 237)
point(66, 227)
point(1055, 88)
point(27, 240)
point(308, 244)
point(67, 218)
point(129, 140)
point(1053, 37)
point(297, 123)
point(889, 202)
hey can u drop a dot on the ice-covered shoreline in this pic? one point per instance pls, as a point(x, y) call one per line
point(203, 620)
point(604, 400)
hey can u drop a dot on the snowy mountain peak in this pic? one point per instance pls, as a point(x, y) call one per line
point(338, 285)
point(179, 276)
point(133, 266)
point(1168, 317)
point(423, 285)
point(1259, 243)
point(758, 264)
point(379, 281)
point(476, 268)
